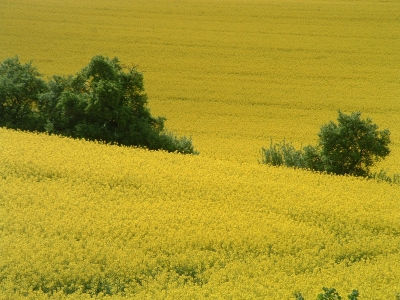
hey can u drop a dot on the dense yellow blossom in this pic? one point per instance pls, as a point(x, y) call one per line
point(230, 73)
point(90, 217)
point(86, 216)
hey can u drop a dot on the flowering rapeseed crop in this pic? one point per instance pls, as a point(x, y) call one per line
point(230, 73)
point(87, 218)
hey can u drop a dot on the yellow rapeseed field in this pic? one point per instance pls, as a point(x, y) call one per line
point(87, 217)
point(83, 219)
point(230, 73)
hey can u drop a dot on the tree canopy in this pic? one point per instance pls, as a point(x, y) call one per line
point(351, 146)
point(104, 101)
point(20, 88)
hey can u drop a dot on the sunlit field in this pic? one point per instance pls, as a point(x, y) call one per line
point(79, 217)
point(82, 219)
point(230, 73)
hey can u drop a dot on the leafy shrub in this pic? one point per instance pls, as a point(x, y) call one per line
point(330, 294)
point(171, 142)
point(350, 147)
point(286, 154)
point(282, 154)
point(382, 176)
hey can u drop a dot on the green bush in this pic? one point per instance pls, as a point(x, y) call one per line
point(350, 147)
point(353, 145)
point(104, 101)
point(382, 176)
point(171, 142)
point(283, 154)
point(20, 87)
point(286, 154)
point(274, 155)
point(329, 294)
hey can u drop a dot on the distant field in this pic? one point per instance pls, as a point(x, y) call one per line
point(230, 73)
point(80, 217)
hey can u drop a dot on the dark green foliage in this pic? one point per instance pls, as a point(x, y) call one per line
point(20, 87)
point(298, 296)
point(282, 154)
point(350, 147)
point(354, 295)
point(353, 145)
point(287, 155)
point(312, 158)
point(329, 294)
point(104, 101)
point(382, 176)
point(172, 143)
point(332, 294)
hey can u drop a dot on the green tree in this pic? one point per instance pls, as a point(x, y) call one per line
point(20, 87)
point(353, 145)
point(51, 110)
point(106, 101)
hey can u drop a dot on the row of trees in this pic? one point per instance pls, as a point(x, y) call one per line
point(351, 146)
point(104, 101)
